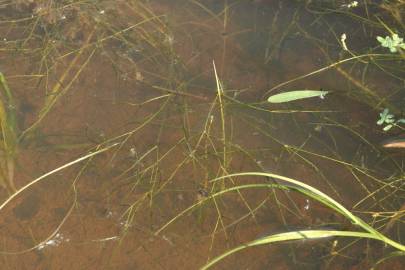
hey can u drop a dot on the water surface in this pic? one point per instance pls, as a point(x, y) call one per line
point(141, 74)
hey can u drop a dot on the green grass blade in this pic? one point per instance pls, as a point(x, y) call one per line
point(9, 131)
point(6, 88)
point(321, 197)
point(9, 119)
point(296, 95)
point(42, 177)
point(290, 236)
point(288, 183)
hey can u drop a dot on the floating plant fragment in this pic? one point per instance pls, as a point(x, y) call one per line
point(296, 95)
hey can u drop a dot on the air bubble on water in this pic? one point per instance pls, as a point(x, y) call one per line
point(307, 204)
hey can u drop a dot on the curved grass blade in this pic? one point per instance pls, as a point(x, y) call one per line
point(322, 198)
point(289, 183)
point(289, 236)
point(296, 95)
point(42, 177)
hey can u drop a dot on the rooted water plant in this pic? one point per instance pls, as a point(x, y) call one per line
point(286, 183)
point(177, 129)
point(389, 120)
point(393, 43)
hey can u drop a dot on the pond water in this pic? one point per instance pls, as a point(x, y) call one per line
point(176, 91)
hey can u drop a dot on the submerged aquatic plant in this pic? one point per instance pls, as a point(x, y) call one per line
point(392, 43)
point(286, 183)
point(389, 120)
point(8, 141)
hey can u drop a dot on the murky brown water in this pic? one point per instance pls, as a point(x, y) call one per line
point(140, 73)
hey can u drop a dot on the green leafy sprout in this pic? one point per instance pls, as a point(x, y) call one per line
point(393, 43)
point(388, 120)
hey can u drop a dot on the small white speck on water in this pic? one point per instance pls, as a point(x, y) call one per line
point(307, 204)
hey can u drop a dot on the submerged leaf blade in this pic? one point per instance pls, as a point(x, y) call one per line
point(296, 95)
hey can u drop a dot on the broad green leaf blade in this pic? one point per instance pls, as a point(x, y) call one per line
point(295, 95)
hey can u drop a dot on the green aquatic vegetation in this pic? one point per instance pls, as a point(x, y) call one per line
point(295, 235)
point(216, 139)
point(392, 43)
point(388, 120)
point(8, 141)
point(285, 183)
point(296, 95)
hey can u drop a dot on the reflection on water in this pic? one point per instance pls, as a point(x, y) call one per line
point(86, 74)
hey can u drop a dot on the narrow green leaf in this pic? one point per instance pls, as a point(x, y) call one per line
point(289, 236)
point(296, 95)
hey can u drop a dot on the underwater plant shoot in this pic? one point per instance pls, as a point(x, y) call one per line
point(202, 134)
